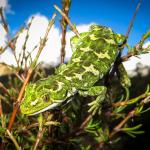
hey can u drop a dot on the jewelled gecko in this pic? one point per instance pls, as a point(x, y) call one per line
point(94, 54)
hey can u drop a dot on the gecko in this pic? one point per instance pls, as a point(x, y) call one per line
point(94, 54)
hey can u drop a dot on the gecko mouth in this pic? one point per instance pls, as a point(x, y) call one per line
point(32, 111)
point(35, 107)
point(52, 106)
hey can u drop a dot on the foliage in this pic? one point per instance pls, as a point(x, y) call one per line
point(70, 126)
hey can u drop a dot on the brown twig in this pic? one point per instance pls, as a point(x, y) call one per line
point(3, 20)
point(4, 88)
point(131, 114)
point(5, 26)
point(118, 127)
point(42, 44)
point(67, 20)
point(117, 62)
point(65, 9)
point(88, 118)
point(126, 57)
point(119, 59)
point(133, 19)
point(11, 42)
point(14, 140)
point(83, 125)
point(39, 137)
point(1, 110)
point(24, 46)
point(122, 123)
point(123, 103)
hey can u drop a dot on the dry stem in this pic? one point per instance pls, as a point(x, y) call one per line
point(3, 20)
point(133, 18)
point(42, 44)
point(132, 113)
point(122, 123)
point(14, 140)
point(67, 20)
point(39, 137)
point(64, 24)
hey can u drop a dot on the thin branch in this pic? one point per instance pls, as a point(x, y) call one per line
point(1, 114)
point(119, 59)
point(126, 57)
point(67, 20)
point(83, 125)
point(14, 140)
point(4, 88)
point(66, 6)
point(122, 123)
point(146, 99)
point(117, 62)
point(42, 44)
point(5, 25)
point(133, 19)
point(123, 103)
point(3, 20)
point(39, 137)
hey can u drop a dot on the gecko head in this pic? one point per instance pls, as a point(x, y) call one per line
point(121, 39)
point(36, 100)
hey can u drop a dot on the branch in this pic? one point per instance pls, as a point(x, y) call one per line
point(133, 19)
point(131, 101)
point(122, 123)
point(14, 140)
point(39, 137)
point(66, 6)
point(42, 44)
point(119, 58)
point(67, 20)
point(3, 20)
point(146, 99)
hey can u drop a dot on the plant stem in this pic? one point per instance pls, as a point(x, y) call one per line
point(39, 137)
point(42, 44)
point(67, 20)
point(66, 5)
point(14, 140)
point(3, 20)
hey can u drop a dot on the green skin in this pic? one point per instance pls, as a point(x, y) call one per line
point(95, 53)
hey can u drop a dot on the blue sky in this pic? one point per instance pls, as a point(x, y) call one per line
point(113, 13)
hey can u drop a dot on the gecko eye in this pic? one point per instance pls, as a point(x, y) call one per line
point(122, 43)
point(45, 98)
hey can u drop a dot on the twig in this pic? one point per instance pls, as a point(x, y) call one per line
point(24, 46)
point(48, 123)
point(67, 20)
point(3, 20)
point(42, 44)
point(118, 127)
point(119, 59)
point(66, 6)
point(116, 64)
point(1, 110)
point(83, 125)
point(39, 137)
point(4, 88)
point(88, 118)
point(133, 18)
point(1, 114)
point(79, 130)
point(5, 25)
point(14, 140)
point(126, 57)
point(123, 103)
point(19, 77)
point(130, 114)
